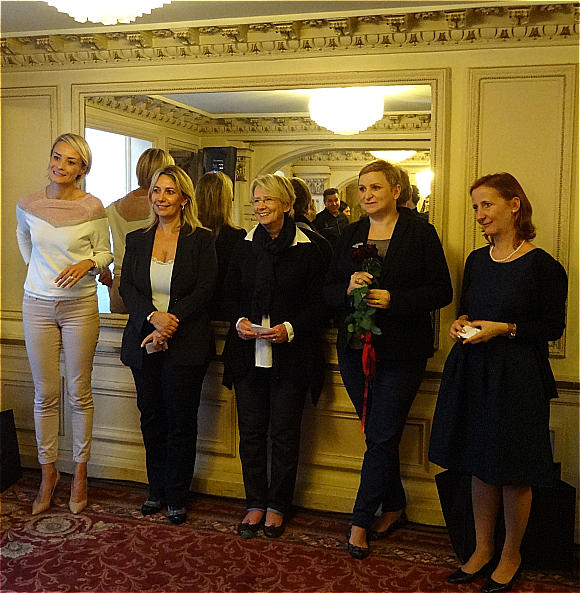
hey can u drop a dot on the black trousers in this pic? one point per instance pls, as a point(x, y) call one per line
point(269, 406)
point(168, 398)
point(392, 392)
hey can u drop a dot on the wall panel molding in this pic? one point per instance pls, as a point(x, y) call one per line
point(521, 117)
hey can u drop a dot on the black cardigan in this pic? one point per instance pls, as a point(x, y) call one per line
point(297, 298)
point(192, 286)
point(415, 273)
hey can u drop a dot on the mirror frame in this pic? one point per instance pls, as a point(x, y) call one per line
point(438, 79)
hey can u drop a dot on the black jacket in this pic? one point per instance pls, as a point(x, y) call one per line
point(329, 226)
point(415, 273)
point(192, 286)
point(225, 244)
point(297, 299)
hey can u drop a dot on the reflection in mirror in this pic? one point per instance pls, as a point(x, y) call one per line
point(273, 131)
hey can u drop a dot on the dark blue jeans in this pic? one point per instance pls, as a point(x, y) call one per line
point(267, 405)
point(391, 394)
point(168, 398)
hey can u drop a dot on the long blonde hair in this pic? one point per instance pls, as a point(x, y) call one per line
point(214, 196)
point(184, 185)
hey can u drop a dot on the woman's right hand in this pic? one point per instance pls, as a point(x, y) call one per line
point(457, 326)
point(359, 279)
point(245, 331)
point(165, 323)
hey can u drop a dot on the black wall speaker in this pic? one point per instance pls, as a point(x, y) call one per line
point(10, 470)
point(220, 158)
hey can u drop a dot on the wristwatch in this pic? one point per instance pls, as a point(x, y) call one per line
point(149, 316)
point(511, 331)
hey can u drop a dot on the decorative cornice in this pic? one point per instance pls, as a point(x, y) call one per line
point(420, 31)
point(421, 157)
point(149, 108)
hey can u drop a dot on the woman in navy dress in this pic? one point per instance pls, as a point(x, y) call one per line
point(492, 415)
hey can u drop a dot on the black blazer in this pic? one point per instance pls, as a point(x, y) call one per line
point(297, 299)
point(225, 244)
point(192, 285)
point(414, 271)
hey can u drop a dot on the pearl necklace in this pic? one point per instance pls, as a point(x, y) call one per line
point(499, 261)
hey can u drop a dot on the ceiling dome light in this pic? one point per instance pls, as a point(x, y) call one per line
point(108, 12)
point(393, 156)
point(423, 180)
point(346, 111)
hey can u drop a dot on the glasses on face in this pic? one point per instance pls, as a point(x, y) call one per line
point(267, 201)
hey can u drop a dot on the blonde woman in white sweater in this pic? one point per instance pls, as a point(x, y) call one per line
point(130, 213)
point(63, 236)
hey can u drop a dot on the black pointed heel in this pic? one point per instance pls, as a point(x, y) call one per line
point(491, 586)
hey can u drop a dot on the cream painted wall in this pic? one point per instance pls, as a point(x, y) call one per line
point(517, 120)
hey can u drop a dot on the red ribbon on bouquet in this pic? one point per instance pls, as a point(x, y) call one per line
point(369, 365)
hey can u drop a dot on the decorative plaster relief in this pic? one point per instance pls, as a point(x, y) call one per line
point(149, 108)
point(420, 31)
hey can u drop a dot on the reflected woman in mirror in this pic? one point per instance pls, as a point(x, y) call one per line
point(492, 416)
point(63, 236)
point(168, 279)
point(214, 196)
point(130, 213)
point(388, 273)
point(273, 299)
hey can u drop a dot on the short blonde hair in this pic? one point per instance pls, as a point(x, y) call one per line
point(151, 160)
point(214, 195)
point(184, 186)
point(278, 187)
point(80, 145)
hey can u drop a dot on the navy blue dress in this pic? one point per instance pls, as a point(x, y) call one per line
point(492, 414)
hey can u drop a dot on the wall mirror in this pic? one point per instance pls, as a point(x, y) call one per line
point(273, 130)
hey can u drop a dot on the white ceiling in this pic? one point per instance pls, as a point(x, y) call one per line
point(288, 102)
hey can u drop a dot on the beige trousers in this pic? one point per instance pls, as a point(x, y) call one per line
point(72, 324)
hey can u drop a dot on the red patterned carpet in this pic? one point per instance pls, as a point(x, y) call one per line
point(111, 547)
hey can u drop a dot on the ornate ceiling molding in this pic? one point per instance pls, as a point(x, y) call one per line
point(154, 109)
point(431, 30)
point(421, 157)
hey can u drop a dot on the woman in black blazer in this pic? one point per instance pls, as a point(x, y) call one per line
point(413, 281)
point(273, 295)
point(169, 274)
point(214, 195)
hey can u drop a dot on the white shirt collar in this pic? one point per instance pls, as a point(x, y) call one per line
point(299, 237)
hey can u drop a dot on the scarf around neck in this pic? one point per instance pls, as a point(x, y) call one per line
point(267, 251)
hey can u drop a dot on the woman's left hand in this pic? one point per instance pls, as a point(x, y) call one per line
point(489, 330)
point(155, 337)
point(73, 273)
point(378, 298)
point(276, 334)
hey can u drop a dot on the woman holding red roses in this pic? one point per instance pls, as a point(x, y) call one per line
point(383, 297)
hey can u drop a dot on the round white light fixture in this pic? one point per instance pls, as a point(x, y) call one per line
point(423, 180)
point(108, 12)
point(346, 111)
point(393, 156)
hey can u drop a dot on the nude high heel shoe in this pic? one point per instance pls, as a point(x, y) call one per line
point(39, 506)
point(77, 507)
